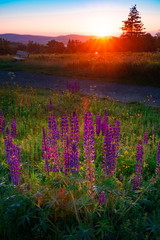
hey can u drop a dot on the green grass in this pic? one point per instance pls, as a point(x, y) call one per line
point(127, 68)
point(59, 206)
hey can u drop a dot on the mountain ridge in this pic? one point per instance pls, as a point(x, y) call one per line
point(24, 38)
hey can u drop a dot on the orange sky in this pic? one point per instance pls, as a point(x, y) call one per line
point(64, 17)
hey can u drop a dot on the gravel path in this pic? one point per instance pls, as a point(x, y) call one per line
point(120, 92)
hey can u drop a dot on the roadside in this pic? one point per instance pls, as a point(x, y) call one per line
point(123, 93)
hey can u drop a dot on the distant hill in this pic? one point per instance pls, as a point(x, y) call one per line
point(43, 39)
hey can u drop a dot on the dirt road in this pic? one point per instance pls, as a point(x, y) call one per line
point(120, 92)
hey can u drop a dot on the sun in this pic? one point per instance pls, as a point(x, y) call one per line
point(101, 31)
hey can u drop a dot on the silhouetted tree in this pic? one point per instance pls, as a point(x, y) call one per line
point(33, 47)
point(133, 26)
point(75, 46)
point(55, 47)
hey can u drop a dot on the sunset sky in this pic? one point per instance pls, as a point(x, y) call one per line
point(89, 17)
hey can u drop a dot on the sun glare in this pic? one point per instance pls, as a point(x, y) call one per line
point(101, 31)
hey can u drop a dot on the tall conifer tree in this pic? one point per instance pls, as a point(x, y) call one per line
point(133, 26)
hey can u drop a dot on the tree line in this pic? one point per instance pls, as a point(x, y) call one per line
point(133, 38)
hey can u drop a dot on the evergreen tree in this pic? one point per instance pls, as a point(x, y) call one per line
point(133, 26)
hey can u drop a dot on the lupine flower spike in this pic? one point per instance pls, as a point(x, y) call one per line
point(109, 153)
point(13, 158)
point(146, 136)
point(67, 156)
point(64, 129)
point(52, 139)
point(46, 150)
point(2, 123)
point(13, 128)
point(158, 160)
point(101, 199)
point(116, 135)
point(74, 142)
point(138, 166)
point(89, 150)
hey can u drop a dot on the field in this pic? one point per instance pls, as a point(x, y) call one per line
point(127, 68)
point(92, 172)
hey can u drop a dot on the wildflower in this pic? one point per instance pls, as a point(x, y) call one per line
point(74, 142)
point(52, 140)
point(116, 135)
point(101, 199)
point(104, 123)
point(138, 166)
point(13, 158)
point(146, 136)
point(53, 129)
point(67, 156)
point(46, 150)
point(98, 124)
point(109, 152)
point(2, 122)
point(158, 160)
point(17, 153)
point(64, 129)
point(13, 128)
point(89, 150)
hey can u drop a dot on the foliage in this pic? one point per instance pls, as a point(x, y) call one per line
point(126, 68)
point(133, 27)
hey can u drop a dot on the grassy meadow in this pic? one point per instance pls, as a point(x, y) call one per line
point(127, 68)
point(55, 205)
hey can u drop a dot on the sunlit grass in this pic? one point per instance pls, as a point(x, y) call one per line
point(127, 68)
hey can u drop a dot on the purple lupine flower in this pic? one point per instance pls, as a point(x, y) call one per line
point(14, 170)
point(8, 144)
point(158, 160)
point(89, 149)
point(17, 153)
point(50, 105)
point(64, 129)
point(116, 135)
point(13, 158)
point(146, 136)
point(109, 153)
point(67, 156)
point(2, 122)
point(98, 124)
point(74, 142)
point(46, 150)
point(101, 199)
point(104, 123)
point(13, 128)
point(136, 182)
point(138, 166)
point(53, 129)
point(53, 135)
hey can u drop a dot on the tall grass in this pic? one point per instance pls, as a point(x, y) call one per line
point(127, 68)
